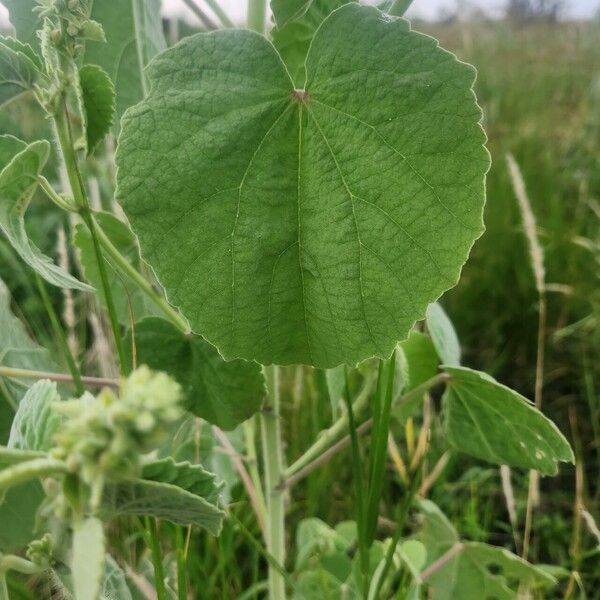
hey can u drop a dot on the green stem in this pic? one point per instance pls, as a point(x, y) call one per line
point(216, 8)
point(10, 562)
point(204, 18)
point(145, 286)
point(65, 139)
point(53, 196)
point(154, 543)
point(3, 587)
point(257, 12)
point(11, 456)
point(329, 436)
point(252, 465)
point(60, 335)
point(181, 564)
point(59, 377)
point(32, 469)
point(273, 462)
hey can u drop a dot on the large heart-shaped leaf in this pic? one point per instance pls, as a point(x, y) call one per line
point(18, 70)
point(306, 226)
point(20, 166)
point(486, 419)
point(223, 393)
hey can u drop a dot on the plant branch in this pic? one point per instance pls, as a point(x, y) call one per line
point(436, 565)
point(145, 286)
point(32, 469)
point(257, 12)
point(216, 8)
point(58, 377)
point(273, 463)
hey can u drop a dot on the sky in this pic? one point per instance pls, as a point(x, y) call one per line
point(429, 9)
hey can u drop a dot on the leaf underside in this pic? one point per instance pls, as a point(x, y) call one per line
point(306, 226)
point(490, 421)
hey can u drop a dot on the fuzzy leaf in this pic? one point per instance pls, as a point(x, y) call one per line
point(114, 582)
point(87, 562)
point(490, 421)
point(477, 570)
point(126, 294)
point(306, 227)
point(223, 393)
point(35, 422)
point(182, 493)
point(443, 335)
point(18, 182)
point(292, 38)
point(133, 36)
point(98, 95)
point(18, 72)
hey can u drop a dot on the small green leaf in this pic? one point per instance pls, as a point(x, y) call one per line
point(35, 422)
point(18, 182)
point(18, 72)
point(98, 95)
point(223, 393)
point(443, 335)
point(490, 421)
point(126, 294)
point(292, 37)
point(87, 562)
point(134, 35)
point(178, 492)
point(306, 226)
point(475, 570)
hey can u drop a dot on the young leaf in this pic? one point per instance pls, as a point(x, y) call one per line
point(443, 335)
point(490, 421)
point(18, 72)
point(126, 294)
point(98, 95)
point(475, 570)
point(18, 182)
point(292, 37)
point(17, 349)
point(169, 491)
point(306, 226)
point(133, 36)
point(87, 562)
point(35, 422)
point(223, 393)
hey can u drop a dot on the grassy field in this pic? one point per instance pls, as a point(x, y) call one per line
point(539, 87)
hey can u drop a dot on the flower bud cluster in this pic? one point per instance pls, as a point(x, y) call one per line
point(105, 436)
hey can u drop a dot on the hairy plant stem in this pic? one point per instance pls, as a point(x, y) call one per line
point(58, 377)
point(32, 469)
point(144, 285)
point(65, 140)
point(257, 12)
point(3, 587)
point(273, 465)
point(60, 335)
point(181, 564)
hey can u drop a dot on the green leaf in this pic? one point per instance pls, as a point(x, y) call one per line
point(443, 335)
point(87, 562)
point(18, 71)
point(126, 293)
point(223, 393)
point(310, 226)
point(490, 421)
point(182, 493)
point(292, 38)
point(133, 36)
point(18, 46)
point(18, 182)
point(35, 422)
point(17, 349)
point(98, 95)
point(476, 570)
